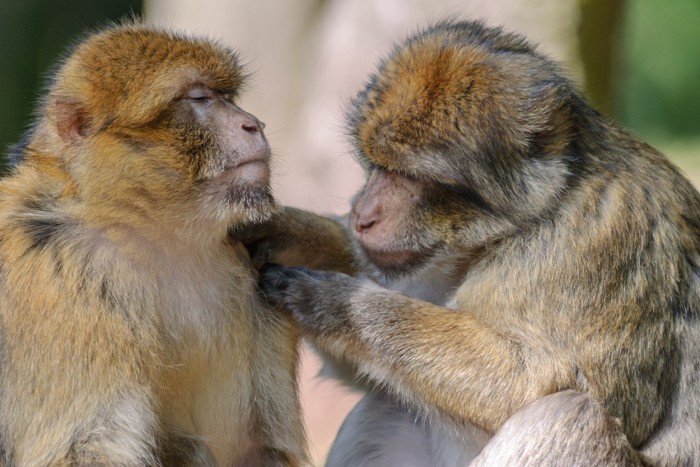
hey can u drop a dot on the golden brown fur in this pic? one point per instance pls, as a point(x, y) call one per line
point(131, 333)
point(539, 267)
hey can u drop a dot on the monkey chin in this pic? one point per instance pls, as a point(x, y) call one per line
point(239, 197)
point(253, 171)
point(249, 204)
point(397, 263)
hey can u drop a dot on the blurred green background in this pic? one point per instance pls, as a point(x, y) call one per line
point(641, 62)
point(34, 35)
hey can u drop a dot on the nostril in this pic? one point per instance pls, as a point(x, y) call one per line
point(364, 224)
point(250, 127)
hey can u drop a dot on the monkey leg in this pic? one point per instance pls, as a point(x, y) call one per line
point(379, 433)
point(566, 428)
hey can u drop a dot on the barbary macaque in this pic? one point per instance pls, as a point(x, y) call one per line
point(536, 270)
point(131, 331)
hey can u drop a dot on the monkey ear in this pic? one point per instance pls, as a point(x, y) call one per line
point(71, 120)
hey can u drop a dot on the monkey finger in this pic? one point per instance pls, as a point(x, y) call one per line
point(289, 288)
point(260, 253)
point(275, 284)
point(272, 279)
point(291, 272)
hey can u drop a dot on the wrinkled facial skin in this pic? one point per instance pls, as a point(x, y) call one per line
point(219, 137)
point(400, 221)
point(223, 146)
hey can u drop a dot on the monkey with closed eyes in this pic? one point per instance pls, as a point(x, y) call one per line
point(536, 270)
point(130, 329)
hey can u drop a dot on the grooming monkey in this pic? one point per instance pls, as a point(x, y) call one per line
point(131, 332)
point(538, 268)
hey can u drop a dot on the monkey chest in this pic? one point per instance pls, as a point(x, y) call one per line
point(207, 380)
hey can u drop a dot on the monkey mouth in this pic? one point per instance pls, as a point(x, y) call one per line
point(265, 160)
point(247, 170)
point(396, 261)
point(257, 170)
point(242, 183)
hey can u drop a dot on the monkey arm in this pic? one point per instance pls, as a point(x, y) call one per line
point(431, 356)
point(275, 363)
point(294, 237)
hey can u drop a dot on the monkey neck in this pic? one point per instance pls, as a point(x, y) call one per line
point(436, 280)
point(161, 224)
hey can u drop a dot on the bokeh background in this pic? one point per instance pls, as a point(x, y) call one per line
point(638, 61)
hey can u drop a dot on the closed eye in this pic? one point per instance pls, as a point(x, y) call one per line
point(199, 93)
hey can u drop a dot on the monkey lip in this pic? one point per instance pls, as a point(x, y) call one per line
point(388, 258)
point(254, 160)
point(255, 168)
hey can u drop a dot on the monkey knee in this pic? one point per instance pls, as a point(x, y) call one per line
point(563, 410)
point(565, 428)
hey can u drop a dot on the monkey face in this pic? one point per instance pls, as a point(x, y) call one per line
point(458, 130)
point(219, 137)
point(378, 214)
point(160, 111)
point(401, 221)
point(223, 149)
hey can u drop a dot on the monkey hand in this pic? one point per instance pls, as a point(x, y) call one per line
point(351, 320)
point(318, 300)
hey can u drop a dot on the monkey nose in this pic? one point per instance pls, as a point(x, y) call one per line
point(362, 225)
point(367, 211)
point(247, 122)
point(366, 217)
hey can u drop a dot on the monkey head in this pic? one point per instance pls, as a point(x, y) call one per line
point(456, 130)
point(147, 117)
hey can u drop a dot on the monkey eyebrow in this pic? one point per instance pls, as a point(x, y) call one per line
point(227, 92)
point(188, 86)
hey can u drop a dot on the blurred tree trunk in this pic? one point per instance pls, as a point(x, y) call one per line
point(601, 50)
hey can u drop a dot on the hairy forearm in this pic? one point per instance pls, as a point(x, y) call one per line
point(437, 359)
point(294, 237)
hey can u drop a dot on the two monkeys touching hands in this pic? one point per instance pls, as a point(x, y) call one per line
point(517, 283)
